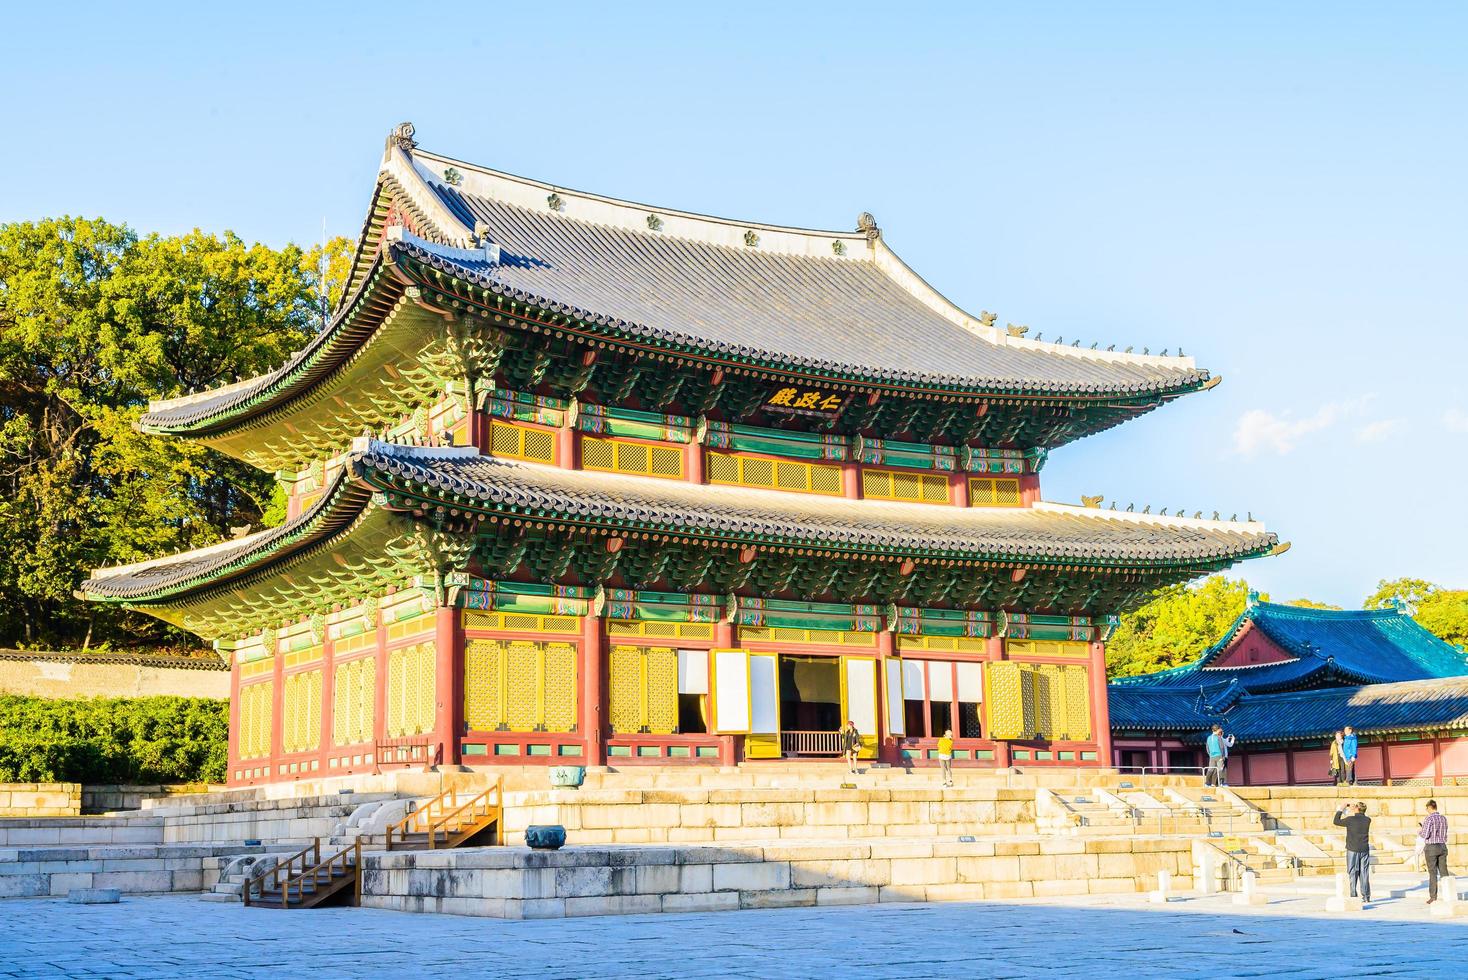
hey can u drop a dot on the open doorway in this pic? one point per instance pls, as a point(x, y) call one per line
point(810, 694)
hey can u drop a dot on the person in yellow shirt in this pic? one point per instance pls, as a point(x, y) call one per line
point(945, 756)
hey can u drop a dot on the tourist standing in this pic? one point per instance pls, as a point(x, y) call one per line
point(1348, 753)
point(1213, 775)
point(945, 756)
point(850, 744)
point(1358, 847)
point(1337, 760)
point(1434, 835)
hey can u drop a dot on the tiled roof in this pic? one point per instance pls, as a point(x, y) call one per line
point(1437, 703)
point(1329, 645)
point(839, 316)
point(1046, 533)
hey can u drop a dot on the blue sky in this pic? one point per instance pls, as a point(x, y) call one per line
point(1276, 188)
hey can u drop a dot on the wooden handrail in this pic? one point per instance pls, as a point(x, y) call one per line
point(313, 848)
point(443, 821)
point(416, 817)
point(313, 873)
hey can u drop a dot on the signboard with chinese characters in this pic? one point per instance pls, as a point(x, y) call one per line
point(806, 401)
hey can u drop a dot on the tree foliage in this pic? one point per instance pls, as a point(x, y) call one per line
point(113, 740)
point(1442, 612)
point(1177, 624)
point(94, 322)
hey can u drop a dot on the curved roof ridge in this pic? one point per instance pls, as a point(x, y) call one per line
point(865, 244)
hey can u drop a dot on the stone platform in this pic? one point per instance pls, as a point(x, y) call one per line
point(518, 883)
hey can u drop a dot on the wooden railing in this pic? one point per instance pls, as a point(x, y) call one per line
point(422, 752)
point(438, 814)
point(810, 743)
point(313, 870)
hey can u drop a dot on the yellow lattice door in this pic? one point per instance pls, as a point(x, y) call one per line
point(522, 687)
point(1007, 695)
point(256, 709)
point(560, 687)
point(1046, 682)
point(410, 690)
point(624, 689)
point(660, 687)
point(484, 709)
point(1077, 684)
point(301, 726)
point(354, 701)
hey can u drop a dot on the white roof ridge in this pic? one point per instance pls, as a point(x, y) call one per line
point(1250, 527)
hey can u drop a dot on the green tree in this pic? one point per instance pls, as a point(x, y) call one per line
point(1442, 612)
point(94, 322)
point(1177, 624)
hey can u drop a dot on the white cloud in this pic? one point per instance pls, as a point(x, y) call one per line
point(1259, 430)
point(1378, 430)
point(1456, 420)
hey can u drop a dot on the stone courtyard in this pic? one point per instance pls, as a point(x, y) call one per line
point(1116, 935)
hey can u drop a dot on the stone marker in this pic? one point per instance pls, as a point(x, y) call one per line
point(94, 896)
point(1341, 900)
point(1163, 894)
point(1447, 904)
point(1250, 895)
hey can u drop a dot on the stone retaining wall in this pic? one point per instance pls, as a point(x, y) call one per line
point(698, 815)
point(40, 799)
point(137, 869)
point(110, 799)
point(516, 883)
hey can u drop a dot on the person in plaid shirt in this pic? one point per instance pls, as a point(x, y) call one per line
point(1434, 834)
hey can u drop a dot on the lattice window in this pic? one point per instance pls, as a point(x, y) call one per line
point(621, 456)
point(354, 701)
point(791, 634)
point(922, 488)
point(956, 644)
point(643, 690)
point(520, 686)
point(660, 629)
point(993, 493)
point(1006, 700)
point(522, 442)
point(520, 622)
point(1077, 702)
point(773, 474)
point(410, 690)
point(1048, 648)
point(1027, 700)
point(301, 724)
point(257, 702)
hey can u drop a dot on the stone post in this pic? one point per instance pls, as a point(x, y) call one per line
point(1250, 894)
point(1341, 901)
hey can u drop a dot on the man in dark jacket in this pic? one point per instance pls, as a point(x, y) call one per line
point(1358, 847)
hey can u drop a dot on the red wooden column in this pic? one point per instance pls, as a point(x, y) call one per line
point(448, 669)
point(328, 701)
point(723, 640)
point(1437, 761)
point(593, 690)
point(1029, 489)
point(379, 694)
point(1001, 749)
point(566, 448)
point(277, 713)
point(1100, 707)
point(234, 716)
point(851, 481)
point(694, 462)
point(887, 750)
point(958, 489)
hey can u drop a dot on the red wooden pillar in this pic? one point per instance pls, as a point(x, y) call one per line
point(851, 481)
point(1100, 708)
point(234, 716)
point(328, 702)
point(566, 448)
point(379, 701)
point(1289, 767)
point(886, 742)
point(448, 722)
point(694, 461)
point(593, 690)
point(724, 640)
point(958, 489)
point(1001, 749)
point(1029, 489)
point(277, 714)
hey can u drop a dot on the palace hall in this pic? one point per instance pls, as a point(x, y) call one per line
point(580, 481)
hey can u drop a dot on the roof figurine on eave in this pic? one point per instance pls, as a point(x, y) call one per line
point(735, 300)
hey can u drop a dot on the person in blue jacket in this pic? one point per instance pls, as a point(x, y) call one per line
point(1218, 746)
point(1348, 752)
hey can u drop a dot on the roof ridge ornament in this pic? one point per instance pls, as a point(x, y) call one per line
point(867, 225)
point(402, 137)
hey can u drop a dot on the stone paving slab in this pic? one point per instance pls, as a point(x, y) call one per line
point(1091, 936)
